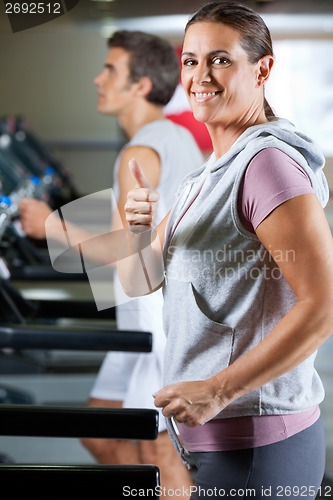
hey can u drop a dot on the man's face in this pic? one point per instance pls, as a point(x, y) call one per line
point(114, 88)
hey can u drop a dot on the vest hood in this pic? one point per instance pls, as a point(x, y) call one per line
point(282, 134)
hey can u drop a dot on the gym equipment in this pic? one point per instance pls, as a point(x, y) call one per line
point(93, 339)
point(27, 169)
point(69, 482)
point(21, 126)
point(53, 183)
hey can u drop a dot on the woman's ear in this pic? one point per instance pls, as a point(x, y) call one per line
point(144, 86)
point(265, 65)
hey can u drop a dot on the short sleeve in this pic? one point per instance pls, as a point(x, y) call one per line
point(271, 178)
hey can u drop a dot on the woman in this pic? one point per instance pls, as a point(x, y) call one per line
point(248, 281)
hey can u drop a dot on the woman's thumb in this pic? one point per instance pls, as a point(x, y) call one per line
point(137, 173)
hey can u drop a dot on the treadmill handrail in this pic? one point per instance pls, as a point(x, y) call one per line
point(78, 421)
point(48, 337)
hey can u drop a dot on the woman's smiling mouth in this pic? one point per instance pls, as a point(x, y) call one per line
point(205, 96)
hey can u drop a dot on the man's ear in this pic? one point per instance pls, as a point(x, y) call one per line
point(265, 65)
point(144, 86)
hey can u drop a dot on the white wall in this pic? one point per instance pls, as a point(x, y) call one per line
point(47, 74)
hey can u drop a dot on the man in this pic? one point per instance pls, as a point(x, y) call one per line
point(140, 75)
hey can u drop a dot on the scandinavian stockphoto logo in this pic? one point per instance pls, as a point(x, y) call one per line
point(78, 232)
point(26, 14)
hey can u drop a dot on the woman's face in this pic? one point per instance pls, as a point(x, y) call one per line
point(222, 86)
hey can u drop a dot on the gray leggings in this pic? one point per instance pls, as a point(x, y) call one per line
point(292, 468)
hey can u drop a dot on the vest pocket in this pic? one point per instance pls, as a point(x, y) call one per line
point(197, 346)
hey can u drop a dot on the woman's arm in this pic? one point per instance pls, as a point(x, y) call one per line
point(37, 217)
point(300, 225)
point(142, 272)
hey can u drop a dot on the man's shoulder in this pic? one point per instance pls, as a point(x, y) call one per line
point(162, 127)
point(172, 142)
point(155, 133)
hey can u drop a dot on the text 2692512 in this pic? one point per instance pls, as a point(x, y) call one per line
point(33, 8)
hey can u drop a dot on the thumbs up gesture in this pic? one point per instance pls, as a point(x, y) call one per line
point(141, 200)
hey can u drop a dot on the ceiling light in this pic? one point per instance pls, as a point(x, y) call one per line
point(278, 24)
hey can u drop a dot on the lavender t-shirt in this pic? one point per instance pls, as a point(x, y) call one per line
point(271, 178)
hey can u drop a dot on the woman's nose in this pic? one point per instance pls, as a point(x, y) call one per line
point(201, 75)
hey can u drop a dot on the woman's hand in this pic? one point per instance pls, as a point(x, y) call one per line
point(192, 403)
point(141, 200)
point(142, 272)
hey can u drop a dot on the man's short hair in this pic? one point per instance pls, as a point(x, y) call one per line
point(153, 57)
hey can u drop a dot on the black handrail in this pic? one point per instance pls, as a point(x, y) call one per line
point(92, 339)
point(83, 482)
point(78, 421)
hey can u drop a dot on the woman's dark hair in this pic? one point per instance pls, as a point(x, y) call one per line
point(255, 36)
point(153, 57)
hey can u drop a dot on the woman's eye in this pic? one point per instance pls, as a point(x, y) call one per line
point(188, 62)
point(221, 61)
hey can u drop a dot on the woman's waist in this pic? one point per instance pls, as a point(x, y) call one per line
point(224, 434)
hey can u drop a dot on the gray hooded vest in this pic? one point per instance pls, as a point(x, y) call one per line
point(223, 291)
